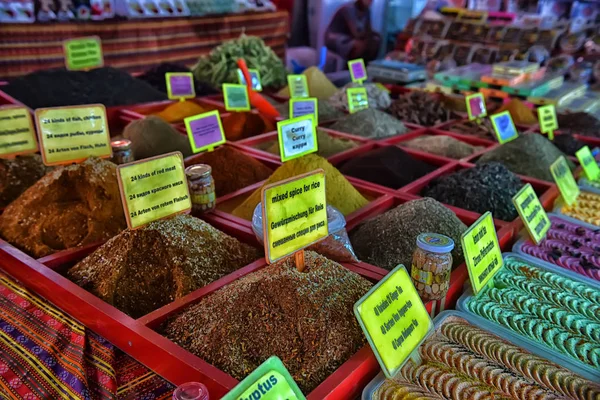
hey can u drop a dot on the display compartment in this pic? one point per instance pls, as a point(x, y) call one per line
point(7, 100)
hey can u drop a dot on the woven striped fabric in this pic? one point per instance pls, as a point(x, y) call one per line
point(135, 45)
point(45, 354)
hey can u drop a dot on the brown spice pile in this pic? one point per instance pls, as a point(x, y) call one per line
point(18, 174)
point(142, 270)
point(442, 145)
point(152, 136)
point(232, 170)
point(304, 318)
point(483, 130)
point(71, 206)
point(420, 108)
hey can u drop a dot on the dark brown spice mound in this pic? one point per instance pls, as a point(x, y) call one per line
point(142, 270)
point(304, 318)
point(580, 123)
point(71, 206)
point(420, 108)
point(232, 170)
point(18, 174)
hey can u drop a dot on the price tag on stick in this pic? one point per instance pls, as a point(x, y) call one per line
point(254, 76)
point(482, 251)
point(504, 127)
point(236, 97)
point(297, 137)
point(302, 107)
point(294, 215)
point(180, 85)
point(588, 163)
point(548, 121)
point(17, 135)
point(532, 213)
point(298, 86)
point(270, 381)
point(358, 71)
point(205, 131)
point(394, 320)
point(564, 180)
point(357, 99)
point(83, 53)
point(476, 107)
point(72, 134)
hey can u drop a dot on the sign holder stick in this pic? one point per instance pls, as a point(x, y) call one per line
point(299, 260)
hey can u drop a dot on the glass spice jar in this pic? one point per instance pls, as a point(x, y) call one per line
point(432, 265)
point(202, 187)
point(122, 153)
point(191, 391)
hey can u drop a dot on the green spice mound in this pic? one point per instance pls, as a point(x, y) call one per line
point(152, 136)
point(529, 155)
point(142, 270)
point(371, 124)
point(19, 173)
point(329, 145)
point(390, 238)
point(304, 318)
point(340, 193)
point(220, 66)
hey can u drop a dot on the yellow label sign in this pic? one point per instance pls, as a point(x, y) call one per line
point(298, 86)
point(394, 320)
point(83, 53)
point(297, 137)
point(294, 214)
point(302, 107)
point(180, 85)
point(73, 134)
point(358, 71)
point(504, 127)
point(357, 99)
point(564, 180)
point(476, 106)
point(548, 121)
point(482, 251)
point(588, 163)
point(236, 97)
point(17, 135)
point(254, 76)
point(532, 213)
point(153, 188)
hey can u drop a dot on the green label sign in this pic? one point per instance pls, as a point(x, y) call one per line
point(270, 381)
point(357, 99)
point(588, 163)
point(532, 213)
point(504, 127)
point(482, 251)
point(476, 106)
point(564, 180)
point(298, 86)
point(83, 53)
point(254, 76)
point(297, 137)
point(236, 97)
point(394, 320)
point(548, 121)
point(358, 71)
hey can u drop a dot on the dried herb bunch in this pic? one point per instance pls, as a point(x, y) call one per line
point(305, 318)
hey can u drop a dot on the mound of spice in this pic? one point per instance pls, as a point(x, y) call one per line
point(580, 123)
point(485, 187)
point(378, 97)
point(241, 125)
point(144, 269)
point(59, 87)
point(327, 112)
point(529, 155)
point(420, 108)
point(71, 206)
point(329, 145)
point(232, 170)
point(442, 145)
point(155, 77)
point(520, 113)
point(371, 124)
point(340, 193)
point(177, 111)
point(387, 166)
point(304, 318)
point(483, 130)
point(567, 144)
point(319, 85)
point(18, 174)
point(152, 136)
point(391, 238)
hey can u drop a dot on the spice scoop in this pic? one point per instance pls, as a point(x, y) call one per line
point(257, 101)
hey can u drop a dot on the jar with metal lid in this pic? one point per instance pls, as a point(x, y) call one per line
point(202, 187)
point(432, 265)
point(122, 153)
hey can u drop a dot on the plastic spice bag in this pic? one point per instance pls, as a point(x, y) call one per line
point(336, 246)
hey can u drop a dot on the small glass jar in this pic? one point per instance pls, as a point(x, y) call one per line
point(191, 391)
point(122, 153)
point(202, 187)
point(432, 265)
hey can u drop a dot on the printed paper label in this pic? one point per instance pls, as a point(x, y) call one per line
point(482, 251)
point(357, 99)
point(358, 71)
point(153, 188)
point(302, 107)
point(17, 135)
point(394, 320)
point(532, 213)
point(298, 86)
point(476, 106)
point(236, 97)
point(294, 214)
point(548, 121)
point(254, 75)
point(297, 137)
point(180, 85)
point(504, 127)
point(83, 53)
point(588, 163)
point(72, 134)
point(205, 131)
point(564, 180)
